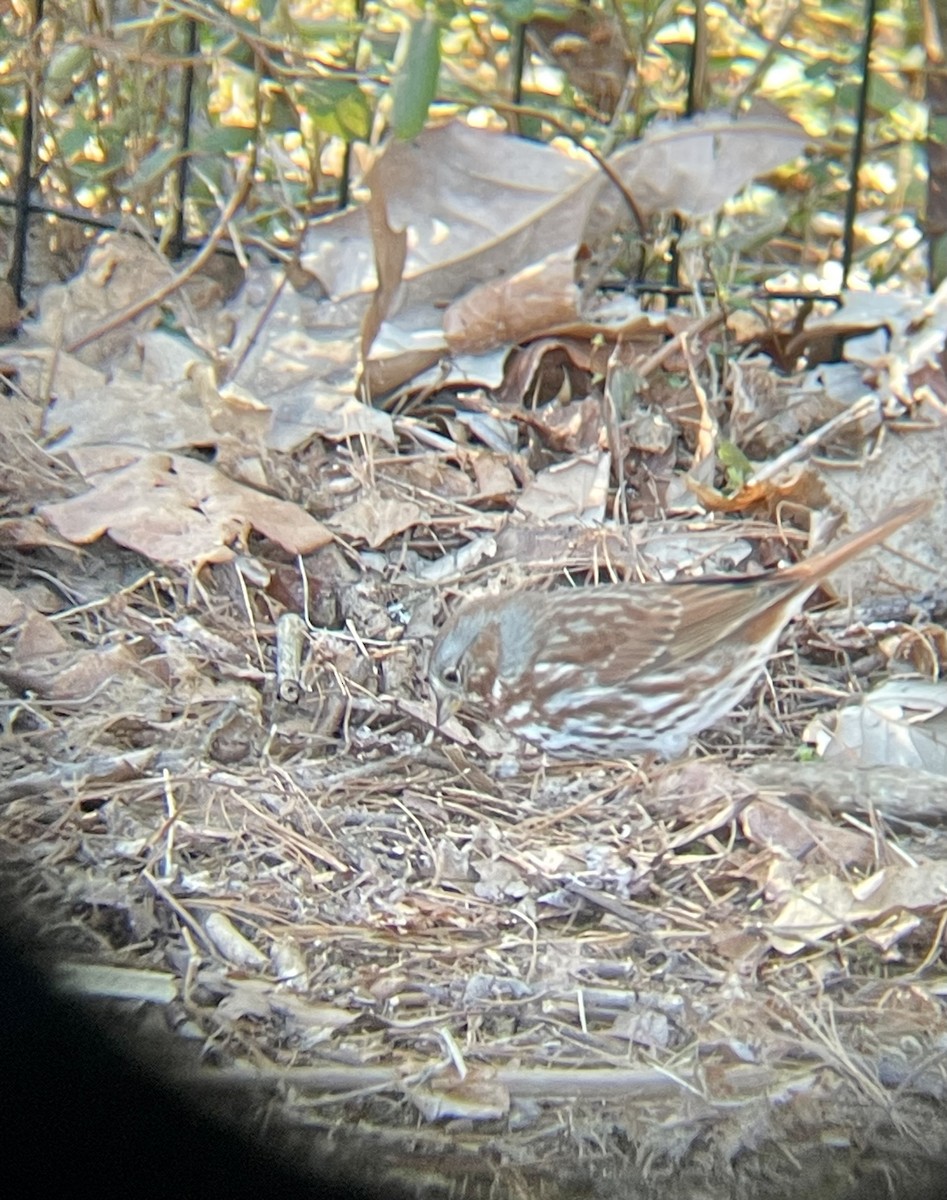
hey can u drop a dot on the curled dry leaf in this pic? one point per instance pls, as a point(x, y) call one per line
point(576, 428)
point(888, 900)
point(460, 562)
point(232, 944)
point(542, 297)
point(805, 838)
point(48, 665)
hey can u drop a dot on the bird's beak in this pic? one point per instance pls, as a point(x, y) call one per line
point(445, 705)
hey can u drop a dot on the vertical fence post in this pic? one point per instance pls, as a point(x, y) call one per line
point(858, 146)
point(176, 241)
point(696, 76)
point(24, 178)
point(345, 182)
point(935, 225)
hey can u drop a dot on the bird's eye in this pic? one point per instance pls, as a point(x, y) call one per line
point(451, 675)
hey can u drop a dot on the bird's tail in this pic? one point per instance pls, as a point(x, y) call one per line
point(818, 566)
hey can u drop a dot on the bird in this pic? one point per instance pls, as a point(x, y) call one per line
point(620, 669)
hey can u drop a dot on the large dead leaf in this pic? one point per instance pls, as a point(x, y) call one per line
point(900, 723)
point(91, 406)
point(176, 510)
point(693, 167)
point(119, 270)
point(298, 351)
point(475, 235)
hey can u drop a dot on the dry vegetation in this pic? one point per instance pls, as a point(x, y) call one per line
point(241, 494)
point(592, 972)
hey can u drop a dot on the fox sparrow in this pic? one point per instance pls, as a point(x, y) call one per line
point(608, 671)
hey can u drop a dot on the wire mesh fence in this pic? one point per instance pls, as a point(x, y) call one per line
point(144, 115)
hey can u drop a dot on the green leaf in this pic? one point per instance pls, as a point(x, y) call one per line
point(417, 65)
point(66, 68)
point(239, 53)
point(73, 142)
point(225, 139)
point(153, 166)
point(517, 12)
point(281, 115)
point(820, 70)
point(883, 96)
point(736, 464)
point(338, 107)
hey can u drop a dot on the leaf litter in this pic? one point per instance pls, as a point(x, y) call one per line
point(398, 923)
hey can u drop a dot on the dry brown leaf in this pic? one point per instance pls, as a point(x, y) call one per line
point(12, 608)
point(152, 415)
point(536, 300)
point(527, 366)
point(903, 722)
point(473, 1099)
point(576, 428)
point(374, 519)
point(26, 533)
point(176, 510)
point(831, 904)
point(693, 167)
point(643, 1028)
point(391, 252)
point(574, 490)
point(798, 485)
point(431, 474)
point(495, 480)
point(482, 205)
point(790, 832)
point(302, 362)
point(479, 206)
point(46, 664)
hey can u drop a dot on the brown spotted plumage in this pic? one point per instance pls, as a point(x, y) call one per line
point(603, 672)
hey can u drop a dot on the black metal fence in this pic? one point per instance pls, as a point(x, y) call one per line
point(135, 113)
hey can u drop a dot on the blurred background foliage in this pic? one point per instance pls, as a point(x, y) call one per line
point(126, 95)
